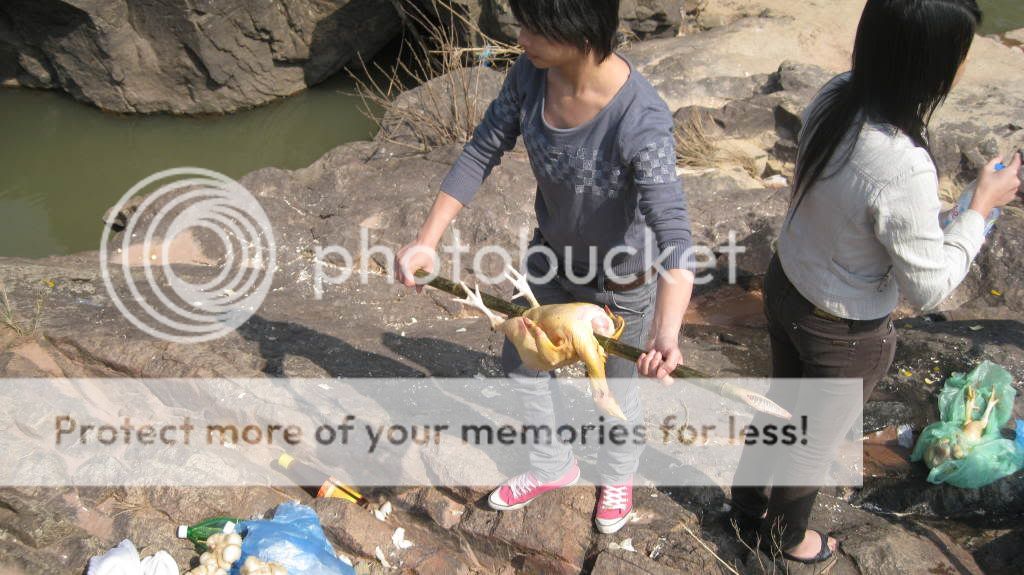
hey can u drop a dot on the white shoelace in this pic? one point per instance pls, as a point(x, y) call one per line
point(522, 484)
point(614, 497)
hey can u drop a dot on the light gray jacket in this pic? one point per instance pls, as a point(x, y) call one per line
point(871, 231)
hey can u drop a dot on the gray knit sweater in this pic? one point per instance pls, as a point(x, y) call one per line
point(609, 184)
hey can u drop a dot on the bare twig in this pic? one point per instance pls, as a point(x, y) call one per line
point(450, 107)
point(753, 550)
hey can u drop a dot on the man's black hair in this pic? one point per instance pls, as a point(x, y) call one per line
point(590, 25)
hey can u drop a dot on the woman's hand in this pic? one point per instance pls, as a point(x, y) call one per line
point(996, 189)
point(661, 358)
point(412, 257)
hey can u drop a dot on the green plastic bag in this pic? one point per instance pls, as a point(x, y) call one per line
point(971, 463)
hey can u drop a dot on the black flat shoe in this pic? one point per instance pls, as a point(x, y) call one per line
point(824, 553)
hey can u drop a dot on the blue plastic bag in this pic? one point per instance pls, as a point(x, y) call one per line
point(293, 539)
point(1020, 434)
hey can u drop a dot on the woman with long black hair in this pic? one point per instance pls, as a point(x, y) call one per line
point(862, 229)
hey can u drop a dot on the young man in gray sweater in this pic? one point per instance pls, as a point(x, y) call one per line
point(609, 206)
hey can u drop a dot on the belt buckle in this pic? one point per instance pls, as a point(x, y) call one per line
point(825, 315)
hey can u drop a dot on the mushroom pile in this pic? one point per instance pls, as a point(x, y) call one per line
point(254, 566)
point(223, 550)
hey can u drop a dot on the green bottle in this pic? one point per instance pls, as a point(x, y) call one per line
point(200, 532)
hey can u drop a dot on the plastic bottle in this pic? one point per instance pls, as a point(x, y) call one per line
point(315, 482)
point(964, 204)
point(200, 532)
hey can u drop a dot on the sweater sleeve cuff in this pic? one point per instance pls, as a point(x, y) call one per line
point(679, 257)
point(970, 226)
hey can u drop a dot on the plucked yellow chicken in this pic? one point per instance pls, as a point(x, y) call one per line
point(944, 449)
point(553, 336)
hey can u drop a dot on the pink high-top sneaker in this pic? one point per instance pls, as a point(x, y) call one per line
point(614, 504)
point(518, 491)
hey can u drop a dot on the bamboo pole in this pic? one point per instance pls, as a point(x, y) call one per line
point(691, 376)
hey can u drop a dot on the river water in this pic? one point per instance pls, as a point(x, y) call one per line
point(63, 163)
point(1002, 15)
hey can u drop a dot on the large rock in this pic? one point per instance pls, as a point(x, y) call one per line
point(753, 219)
point(1015, 36)
point(496, 20)
point(878, 545)
point(554, 537)
point(729, 195)
point(994, 286)
point(651, 18)
point(729, 63)
point(644, 18)
point(186, 57)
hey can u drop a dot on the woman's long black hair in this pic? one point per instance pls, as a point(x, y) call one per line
point(905, 59)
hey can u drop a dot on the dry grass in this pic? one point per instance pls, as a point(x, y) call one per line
point(448, 108)
point(8, 319)
point(694, 146)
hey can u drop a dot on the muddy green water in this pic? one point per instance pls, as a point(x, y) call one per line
point(1002, 15)
point(62, 163)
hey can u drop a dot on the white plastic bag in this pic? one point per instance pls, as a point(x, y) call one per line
point(124, 560)
point(160, 564)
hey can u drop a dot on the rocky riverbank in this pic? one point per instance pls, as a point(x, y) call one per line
point(181, 57)
point(745, 76)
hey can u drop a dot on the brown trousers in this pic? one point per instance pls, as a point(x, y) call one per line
point(807, 345)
